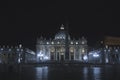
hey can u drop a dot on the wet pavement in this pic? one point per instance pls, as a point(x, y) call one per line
point(60, 72)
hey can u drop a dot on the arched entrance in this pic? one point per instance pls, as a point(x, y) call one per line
point(52, 56)
point(58, 57)
point(71, 53)
point(52, 53)
point(62, 56)
point(62, 53)
point(72, 56)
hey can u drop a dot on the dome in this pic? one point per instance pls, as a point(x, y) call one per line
point(61, 34)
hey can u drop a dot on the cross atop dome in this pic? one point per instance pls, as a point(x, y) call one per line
point(62, 27)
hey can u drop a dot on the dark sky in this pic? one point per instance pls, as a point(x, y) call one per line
point(23, 22)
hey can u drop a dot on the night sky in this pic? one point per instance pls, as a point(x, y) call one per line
point(23, 22)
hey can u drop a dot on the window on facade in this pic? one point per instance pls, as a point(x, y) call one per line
point(76, 42)
point(83, 42)
point(17, 49)
point(1, 48)
point(106, 46)
point(52, 42)
point(62, 53)
point(71, 43)
point(21, 49)
point(83, 50)
point(47, 42)
point(116, 50)
point(71, 49)
point(58, 42)
point(9, 49)
point(62, 50)
point(52, 49)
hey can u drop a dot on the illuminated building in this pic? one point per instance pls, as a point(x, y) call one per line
point(11, 54)
point(109, 52)
point(17, 54)
point(55, 49)
point(111, 49)
point(112, 41)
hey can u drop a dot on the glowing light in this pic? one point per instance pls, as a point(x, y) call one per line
point(83, 42)
point(19, 60)
point(62, 27)
point(20, 45)
point(17, 49)
point(76, 42)
point(52, 42)
point(85, 57)
point(116, 50)
point(106, 46)
point(1, 48)
point(71, 42)
point(40, 55)
point(46, 57)
point(58, 42)
point(9, 49)
point(106, 60)
point(47, 42)
point(95, 55)
point(83, 50)
point(62, 53)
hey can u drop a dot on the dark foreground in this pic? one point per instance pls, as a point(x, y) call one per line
point(60, 72)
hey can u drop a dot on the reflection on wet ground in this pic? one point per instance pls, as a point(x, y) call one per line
point(60, 72)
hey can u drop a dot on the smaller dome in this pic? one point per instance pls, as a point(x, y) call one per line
point(61, 34)
point(62, 27)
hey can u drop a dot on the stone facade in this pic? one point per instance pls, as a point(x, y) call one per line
point(55, 49)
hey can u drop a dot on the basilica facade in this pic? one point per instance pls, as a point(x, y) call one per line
point(55, 49)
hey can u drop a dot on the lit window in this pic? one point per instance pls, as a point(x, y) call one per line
point(47, 42)
point(83, 42)
point(1, 48)
point(58, 42)
point(62, 49)
point(9, 49)
point(83, 50)
point(52, 49)
point(71, 42)
point(106, 46)
point(71, 50)
point(52, 42)
point(105, 50)
point(62, 28)
point(62, 53)
point(57, 37)
point(17, 49)
point(20, 45)
point(116, 50)
point(76, 42)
